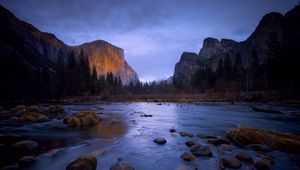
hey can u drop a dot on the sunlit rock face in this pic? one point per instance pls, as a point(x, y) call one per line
point(107, 58)
point(40, 50)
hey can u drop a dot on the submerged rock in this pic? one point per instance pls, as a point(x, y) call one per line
point(188, 156)
point(122, 166)
point(231, 162)
point(225, 147)
point(218, 141)
point(203, 151)
point(172, 130)
point(186, 134)
point(26, 161)
point(25, 148)
point(195, 147)
point(191, 143)
point(56, 109)
point(84, 119)
point(244, 157)
point(277, 140)
point(86, 162)
point(160, 141)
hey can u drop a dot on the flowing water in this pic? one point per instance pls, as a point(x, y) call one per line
point(129, 137)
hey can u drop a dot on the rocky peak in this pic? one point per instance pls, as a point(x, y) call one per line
point(270, 23)
point(188, 56)
point(210, 42)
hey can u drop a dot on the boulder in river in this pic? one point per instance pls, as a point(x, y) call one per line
point(86, 162)
point(55, 110)
point(122, 166)
point(244, 157)
point(33, 117)
point(172, 130)
point(203, 151)
point(277, 140)
point(190, 143)
point(25, 148)
point(84, 119)
point(225, 147)
point(188, 156)
point(160, 141)
point(186, 134)
point(231, 162)
point(26, 161)
point(218, 141)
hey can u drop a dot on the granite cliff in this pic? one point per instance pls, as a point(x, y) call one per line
point(39, 50)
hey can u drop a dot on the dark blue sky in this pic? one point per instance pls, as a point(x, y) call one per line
point(153, 33)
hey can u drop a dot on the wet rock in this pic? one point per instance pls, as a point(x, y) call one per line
point(268, 159)
point(231, 162)
point(258, 147)
point(19, 110)
point(122, 166)
point(26, 161)
point(244, 157)
point(190, 143)
point(84, 119)
point(210, 137)
point(86, 162)
point(194, 148)
point(203, 151)
point(9, 139)
point(188, 156)
point(277, 140)
point(186, 134)
point(14, 118)
point(25, 148)
point(172, 130)
point(33, 117)
point(56, 109)
point(225, 147)
point(218, 141)
point(160, 141)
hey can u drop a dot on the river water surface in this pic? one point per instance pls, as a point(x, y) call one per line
point(130, 138)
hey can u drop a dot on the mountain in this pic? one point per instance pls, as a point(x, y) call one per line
point(283, 28)
point(38, 50)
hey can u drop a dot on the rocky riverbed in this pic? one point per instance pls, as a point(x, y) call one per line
point(174, 136)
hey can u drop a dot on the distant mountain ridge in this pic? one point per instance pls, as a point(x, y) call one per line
point(286, 28)
point(40, 50)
